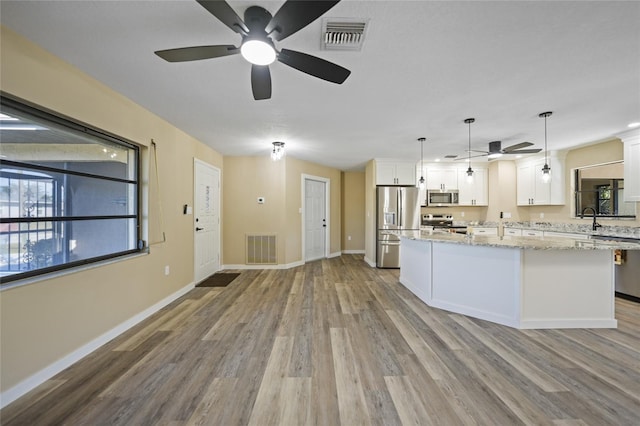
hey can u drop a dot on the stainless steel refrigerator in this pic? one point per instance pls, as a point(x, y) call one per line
point(398, 210)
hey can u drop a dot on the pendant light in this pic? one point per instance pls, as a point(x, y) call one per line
point(546, 170)
point(421, 182)
point(278, 151)
point(469, 170)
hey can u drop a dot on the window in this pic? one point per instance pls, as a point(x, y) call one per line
point(68, 193)
point(601, 188)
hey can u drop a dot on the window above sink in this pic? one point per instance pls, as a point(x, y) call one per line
point(601, 188)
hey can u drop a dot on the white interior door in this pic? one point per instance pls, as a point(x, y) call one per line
point(315, 219)
point(206, 219)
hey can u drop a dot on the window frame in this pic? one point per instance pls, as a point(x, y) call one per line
point(48, 117)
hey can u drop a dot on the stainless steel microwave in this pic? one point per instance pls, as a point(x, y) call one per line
point(442, 198)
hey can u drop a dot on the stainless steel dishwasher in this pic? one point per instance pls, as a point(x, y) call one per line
point(628, 274)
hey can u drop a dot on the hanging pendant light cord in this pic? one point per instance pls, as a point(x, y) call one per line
point(545, 139)
point(469, 143)
point(421, 156)
point(545, 115)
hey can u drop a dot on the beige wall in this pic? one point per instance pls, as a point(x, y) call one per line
point(353, 211)
point(280, 183)
point(45, 321)
point(246, 179)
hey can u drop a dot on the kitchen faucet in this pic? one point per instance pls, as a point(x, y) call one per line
point(596, 225)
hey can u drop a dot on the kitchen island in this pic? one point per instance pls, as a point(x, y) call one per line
point(520, 282)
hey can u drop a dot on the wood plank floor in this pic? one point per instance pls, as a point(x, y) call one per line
point(335, 342)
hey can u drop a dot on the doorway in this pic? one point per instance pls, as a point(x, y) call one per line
point(206, 220)
point(315, 217)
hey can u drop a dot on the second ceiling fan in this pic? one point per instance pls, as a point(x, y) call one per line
point(496, 151)
point(258, 30)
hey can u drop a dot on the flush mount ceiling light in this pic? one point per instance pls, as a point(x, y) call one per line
point(278, 151)
point(546, 170)
point(469, 170)
point(633, 125)
point(421, 182)
point(258, 52)
point(493, 155)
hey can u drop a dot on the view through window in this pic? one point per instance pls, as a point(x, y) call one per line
point(68, 193)
point(600, 189)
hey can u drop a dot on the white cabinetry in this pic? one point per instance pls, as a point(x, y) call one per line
point(532, 233)
point(475, 193)
point(444, 178)
point(513, 232)
point(631, 141)
point(531, 190)
point(566, 235)
point(392, 172)
point(485, 231)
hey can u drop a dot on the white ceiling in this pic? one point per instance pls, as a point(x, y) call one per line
point(424, 68)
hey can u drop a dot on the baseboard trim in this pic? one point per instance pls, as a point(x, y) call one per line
point(370, 262)
point(10, 395)
point(352, 251)
point(336, 254)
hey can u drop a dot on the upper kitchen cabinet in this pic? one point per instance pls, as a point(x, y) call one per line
point(631, 141)
point(443, 178)
point(474, 193)
point(531, 190)
point(395, 172)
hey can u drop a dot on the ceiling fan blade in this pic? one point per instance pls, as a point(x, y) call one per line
point(473, 156)
point(314, 66)
point(295, 15)
point(525, 151)
point(474, 150)
point(221, 10)
point(183, 54)
point(517, 146)
point(260, 82)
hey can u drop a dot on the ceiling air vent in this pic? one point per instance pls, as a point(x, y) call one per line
point(343, 33)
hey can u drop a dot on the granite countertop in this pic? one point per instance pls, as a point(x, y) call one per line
point(529, 243)
point(571, 228)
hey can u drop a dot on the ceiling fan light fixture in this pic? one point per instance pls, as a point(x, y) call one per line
point(258, 52)
point(494, 155)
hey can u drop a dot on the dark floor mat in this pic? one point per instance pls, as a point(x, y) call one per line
point(221, 279)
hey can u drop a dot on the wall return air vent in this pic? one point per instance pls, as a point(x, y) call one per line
point(343, 33)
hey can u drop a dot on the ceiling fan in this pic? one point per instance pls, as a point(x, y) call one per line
point(496, 151)
point(258, 30)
